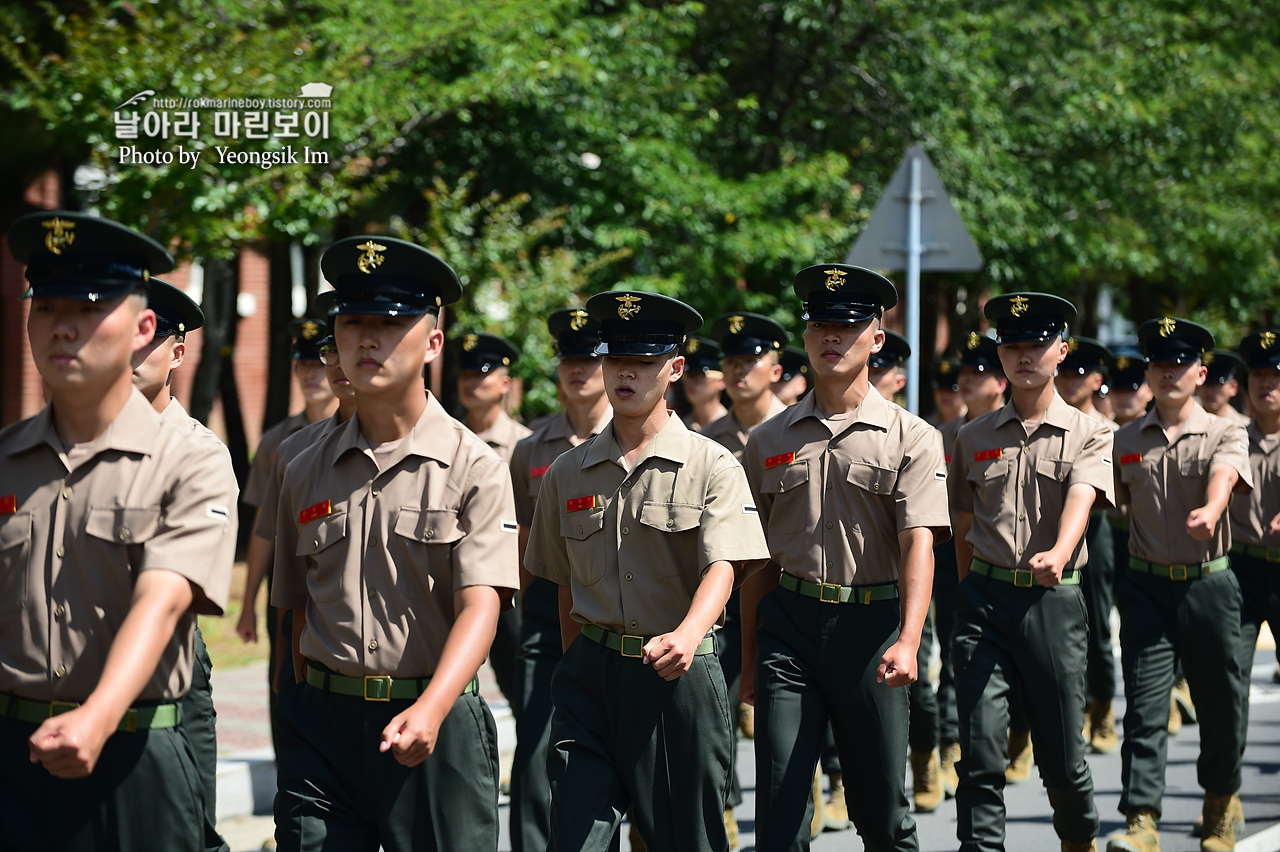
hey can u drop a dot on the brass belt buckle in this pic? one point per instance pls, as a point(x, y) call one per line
point(59, 707)
point(1018, 574)
point(1272, 554)
point(131, 720)
point(1177, 573)
point(383, 679)
point(634, 643)
point(829, 592)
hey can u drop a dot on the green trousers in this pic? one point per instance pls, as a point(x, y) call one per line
point(623, 738)
point(540, 651)
point(337, 791)
point(144, 795)
point(199, 726)
point(817, 662)
point(1032, 640)
point(922, 729)
point(1260, 595)
point(504, 654)
point(1098, 583)
point(729, 652)
point(945, 580)
point(1198, 622)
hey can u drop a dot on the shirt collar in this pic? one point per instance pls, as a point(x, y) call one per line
point(1058, 414)
point(874, 410)
point(432, 437)
point(671, 443)
point(1197, 422)
point(132, 431)
point(560, 427)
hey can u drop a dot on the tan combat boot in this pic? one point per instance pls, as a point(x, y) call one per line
point(1103, 725)
point(1182, 697)
point(1020, 756)
point(815, 822)
point(949, 756)
point(1086, 846)
point(836, 813)
point(1175, 716)
point(747, 721)
point(1140, 834)
point(1223, 820)
point(731, 828)
point(1087, 733)
point(926, 782)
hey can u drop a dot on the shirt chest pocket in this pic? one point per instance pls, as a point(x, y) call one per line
point(1195, 466)
point(323, 544)
point(673, 519)
point(1137, 473)
point(123, 525)
point(875, 480)
point(1056, 470)
point(987, 473)
point(15, 555)
point(588, 549)
point(787, 487)
point(421, 551)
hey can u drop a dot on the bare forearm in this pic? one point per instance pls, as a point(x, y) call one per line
point(753, 590)
point(569, 629)
point(915, 580)
point(964, 550)
point(708, 601)
point(465, 649)
point(1075, 518)
point(257, 561)
point(1222, 480)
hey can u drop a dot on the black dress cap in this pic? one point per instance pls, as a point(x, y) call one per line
point(576, 333)
point(1261, 349)
point(308, 333)
point(1222, 365)
point(1085, 355)
point(894, 353)
point(743, 333)
point(795, 362)
point(388, 277)
point(483, 352)
point(1128, 367)
point(77, 256)
point(981, 353)
point(1171, 340)
point(946, 374)
point(1029, 317)
point(838, 292)
point(176, 312)
point(701, 355)
point(639, 324)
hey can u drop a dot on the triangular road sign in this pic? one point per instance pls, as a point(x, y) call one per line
point(947, 246)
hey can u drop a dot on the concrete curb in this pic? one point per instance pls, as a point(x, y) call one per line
point(247, 779)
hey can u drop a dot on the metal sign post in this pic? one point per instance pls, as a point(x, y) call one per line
point(895, 239)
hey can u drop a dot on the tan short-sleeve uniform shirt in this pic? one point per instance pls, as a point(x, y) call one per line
point(375, 556)
point(1015, 485)
point(1237, 417)
point(732, 435)
point(833, 503)
point(504, 436)
point(533, 456)
point(1163, 482)
point(634, 545)
point(76, 530)
point(1251, 513)
point(288, 450)
point(255, 489)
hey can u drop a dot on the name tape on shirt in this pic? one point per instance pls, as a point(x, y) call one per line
point(988, 455)
point(510, 527)
point(315, 513)
point(9, 505)
point(1131, 458)
point(535, 472)
point(577, 504)
point(774, 461)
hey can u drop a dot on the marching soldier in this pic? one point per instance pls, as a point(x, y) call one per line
point(703, 382)
point(1255, 518)
point(851, 491)
point(396, 551)
point(887, 369)
point(153, 368)
point(1022, 480)
point(484, 380)
point(980, 377)
point(646, 528)
point(116, 528)
point(947, 399)
point(586, 413)
point(1221, 385)
point(794, 382)
point(1175, 468)
point(1081, 374)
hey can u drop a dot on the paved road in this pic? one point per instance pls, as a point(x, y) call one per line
point(1029, 826)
